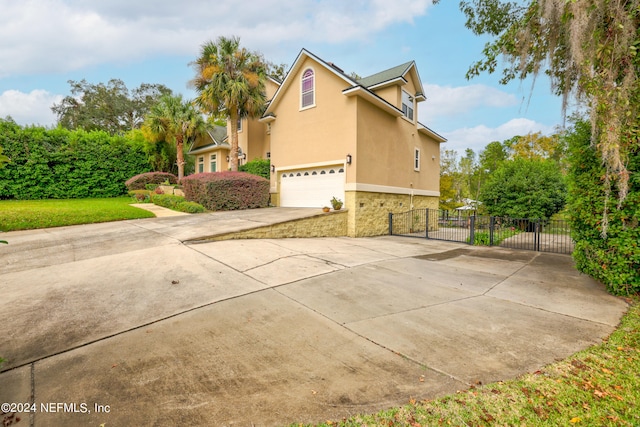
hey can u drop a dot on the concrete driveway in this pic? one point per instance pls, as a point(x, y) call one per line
point(126, 324)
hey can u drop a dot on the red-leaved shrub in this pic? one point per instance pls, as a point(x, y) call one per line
point(226, 190)
point(139, 182)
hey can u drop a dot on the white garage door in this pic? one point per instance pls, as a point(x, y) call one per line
point(312, 188)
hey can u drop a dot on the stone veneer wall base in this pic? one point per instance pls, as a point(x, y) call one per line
point(331, 224)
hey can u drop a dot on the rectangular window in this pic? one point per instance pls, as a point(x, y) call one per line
point(239, 124)
point(213, 163)
point(416, 159)
point(407, 105)
point(200, 164)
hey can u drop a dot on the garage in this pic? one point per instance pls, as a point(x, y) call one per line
point(312, 188)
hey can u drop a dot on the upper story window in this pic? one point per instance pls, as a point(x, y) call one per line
point(407, 105)
point(416, 159)
point(308, 89)
point(239, 124)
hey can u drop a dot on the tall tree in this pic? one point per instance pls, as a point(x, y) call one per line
point(589, 49)
point(493, 155)
point(525, 188)
point(230, 82)
point(111, 107)
point(174, 119)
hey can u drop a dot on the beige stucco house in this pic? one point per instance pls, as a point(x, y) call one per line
point(329, 135)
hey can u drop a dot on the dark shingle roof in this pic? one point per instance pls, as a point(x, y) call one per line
point(216, 136)
point(218, 133)
point(386, 75)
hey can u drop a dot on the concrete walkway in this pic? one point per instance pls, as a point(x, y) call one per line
point(128, 325)
point(158, 211)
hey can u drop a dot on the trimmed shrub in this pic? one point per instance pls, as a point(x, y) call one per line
point(177, 203)
point(190, 207)
point(140, 182)
point(260, 167)
point(140, 196)
point(227, 190)
point(166, 200)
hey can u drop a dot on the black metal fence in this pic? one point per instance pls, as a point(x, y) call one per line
point(516, 233)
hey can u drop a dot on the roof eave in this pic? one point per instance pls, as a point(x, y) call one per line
point(268, 118)
point(425, 130)
point(373, 98)
point(400, 81)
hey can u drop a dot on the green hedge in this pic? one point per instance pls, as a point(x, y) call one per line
point(227, 190)
point(614, 260)
point(60, 164)
point(260, 167)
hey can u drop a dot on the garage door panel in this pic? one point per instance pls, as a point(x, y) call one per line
point(312, 187)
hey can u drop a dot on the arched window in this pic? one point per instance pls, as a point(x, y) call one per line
point(308, 89)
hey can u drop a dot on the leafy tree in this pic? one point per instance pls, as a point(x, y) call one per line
point(230, 81)
point(450, 185)
point(110, 107)
point(276, 71)
point(173, 119)
point(525, 188)
point(493, 155)
point(589, 50)
point(469, 176)
point(614, 260)
point(161, 154)
point(538, 146)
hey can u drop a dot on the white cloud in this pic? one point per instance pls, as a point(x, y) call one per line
point(478, 137)
point(29, 108)
point(62, 35)
point(443, 101)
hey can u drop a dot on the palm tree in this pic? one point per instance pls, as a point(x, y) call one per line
point(230, 81)
point(174, 119)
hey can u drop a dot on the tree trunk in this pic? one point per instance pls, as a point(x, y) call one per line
point(180, 156)
point(233, 155)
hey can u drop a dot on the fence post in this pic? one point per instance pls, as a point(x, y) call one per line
point(390, 223)
point(472, 226)
point(491, 225)
point(537, 236)
point(427, 224)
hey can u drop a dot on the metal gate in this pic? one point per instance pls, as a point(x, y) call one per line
point(516, 233)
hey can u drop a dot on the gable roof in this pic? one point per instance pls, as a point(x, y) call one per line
point(395, 75)
point(387, 75)
point(216, 137)
point(364, 86)
point(297, 64)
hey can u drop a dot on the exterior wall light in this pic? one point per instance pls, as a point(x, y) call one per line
point(273, 168)
point(349, 158)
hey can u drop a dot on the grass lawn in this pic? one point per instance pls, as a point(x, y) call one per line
point(599, 386)
point(30, 214)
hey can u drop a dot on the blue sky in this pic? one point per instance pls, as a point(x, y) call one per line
point(45, 43)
